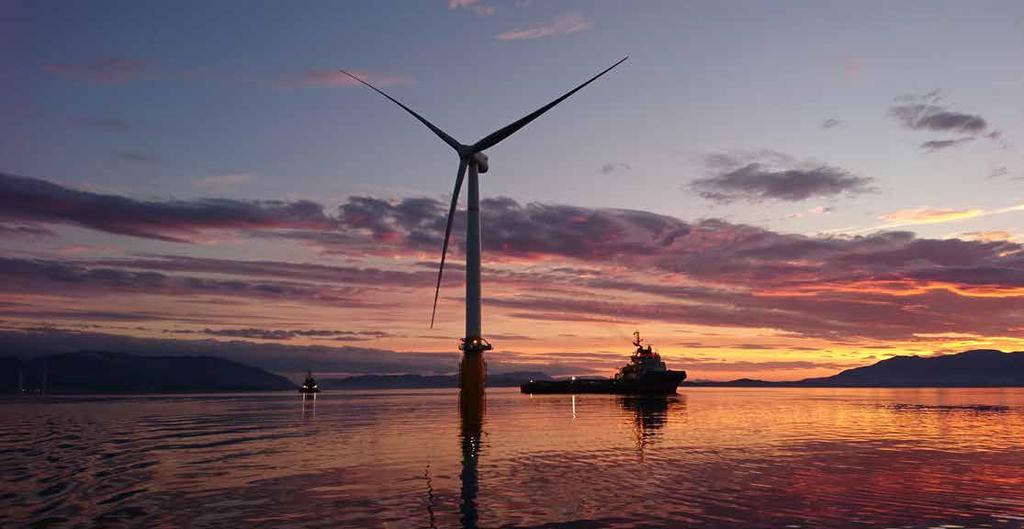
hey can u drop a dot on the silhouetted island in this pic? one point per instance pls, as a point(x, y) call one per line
point(977, 368)
point(106, 372)
point(497, 380)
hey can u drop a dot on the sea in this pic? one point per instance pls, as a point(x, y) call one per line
point(705, 458)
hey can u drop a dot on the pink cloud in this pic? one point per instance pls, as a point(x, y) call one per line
point(101, 71)
point(546, 262)
point(564, 24)
point(336, 78)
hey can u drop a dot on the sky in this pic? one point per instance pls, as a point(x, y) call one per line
point(766, 190)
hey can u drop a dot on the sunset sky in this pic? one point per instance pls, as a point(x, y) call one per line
point(771, 191)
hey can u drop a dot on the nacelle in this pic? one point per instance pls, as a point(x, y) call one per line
point(480, 159)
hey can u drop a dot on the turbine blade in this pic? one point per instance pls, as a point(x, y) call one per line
point(440, 133)
point(495, 137)
point(447, 233)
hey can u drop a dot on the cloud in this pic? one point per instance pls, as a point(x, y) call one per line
point(935, 145)
point(564, 24)
point(279, 270)
point(816, 210)
point(100, 71)
point(988, 236)
point(547, 262)
point(998, 172)
point(519, 231)
point(525, 230)
point(24, 230)
point(105, 124)
point(882, 287)
point(927, 215)
point(925, 113)
point(997, 137)
point(475, 6)
point(831, 123)
point(930, 215)
point(774, 176)
point(225, 181)
point(33, 200)
point(613, 167)
point(287, 334)
point(333, 77)
point(77, 278)
point(136, 157)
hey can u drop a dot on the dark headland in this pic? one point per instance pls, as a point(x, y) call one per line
point(976, 368)
point(106, 372)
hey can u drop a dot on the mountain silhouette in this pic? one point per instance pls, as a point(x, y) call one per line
point(979, 367)
point(106, 372)
point(975, 368)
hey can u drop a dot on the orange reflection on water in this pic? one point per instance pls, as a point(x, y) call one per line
point(709, 457)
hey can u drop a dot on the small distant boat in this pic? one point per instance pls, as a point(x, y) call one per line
point(309, 386)
point(645, 374)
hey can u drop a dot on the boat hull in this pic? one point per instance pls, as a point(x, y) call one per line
point(656, 383)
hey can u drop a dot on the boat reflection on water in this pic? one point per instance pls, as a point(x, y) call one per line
point(309, 406)
point(650, 415)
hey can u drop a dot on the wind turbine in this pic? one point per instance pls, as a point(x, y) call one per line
point(473, 158)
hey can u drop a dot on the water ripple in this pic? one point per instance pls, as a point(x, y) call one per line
point(708, 458)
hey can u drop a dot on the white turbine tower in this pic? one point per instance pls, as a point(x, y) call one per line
point(473, 157)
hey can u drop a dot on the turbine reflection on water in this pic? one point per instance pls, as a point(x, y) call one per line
point(472, 405)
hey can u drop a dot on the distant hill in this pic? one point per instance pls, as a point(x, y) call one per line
point(105, 372)
point(512, 379)
point(739, 383)
point(977, 368)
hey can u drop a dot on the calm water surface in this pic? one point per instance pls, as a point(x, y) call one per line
point(706, 458)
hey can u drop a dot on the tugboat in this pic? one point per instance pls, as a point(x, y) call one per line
point(309, 386)
point(645, 374)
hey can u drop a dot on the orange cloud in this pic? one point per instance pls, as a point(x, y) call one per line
point(930, 215)
point(899, 287)
point(988, 236)
point(926, 215)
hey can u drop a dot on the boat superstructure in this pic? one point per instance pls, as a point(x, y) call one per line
point(646, 373)
point(309, 386)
